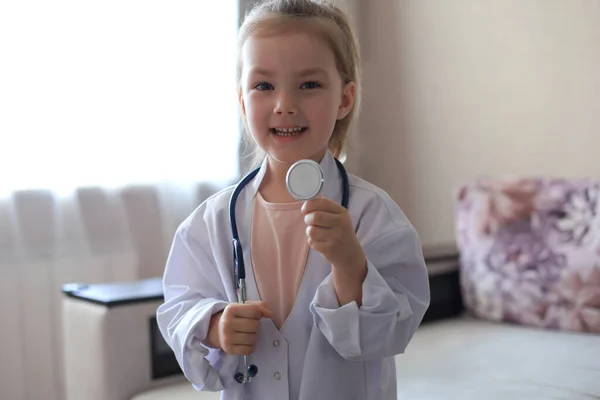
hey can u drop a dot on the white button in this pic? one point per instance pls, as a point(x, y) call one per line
point(277, 375)
point(276, 343)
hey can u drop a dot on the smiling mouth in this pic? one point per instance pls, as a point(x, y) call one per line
point(288, 131)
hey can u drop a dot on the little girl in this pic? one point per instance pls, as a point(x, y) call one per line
point(334, 293)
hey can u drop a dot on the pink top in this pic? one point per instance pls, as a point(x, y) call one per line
point(279, 248)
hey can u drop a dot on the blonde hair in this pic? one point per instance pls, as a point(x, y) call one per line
point(332, 25)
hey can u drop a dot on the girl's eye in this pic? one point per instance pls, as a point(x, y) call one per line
point(263, 86)
point(310, 85)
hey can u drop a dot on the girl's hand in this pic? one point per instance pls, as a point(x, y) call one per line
point(235, 329)
point(330, 232)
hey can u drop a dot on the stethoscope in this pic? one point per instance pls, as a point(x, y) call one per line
point(304, 181)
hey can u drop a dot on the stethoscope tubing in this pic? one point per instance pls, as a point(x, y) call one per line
point(240, 269)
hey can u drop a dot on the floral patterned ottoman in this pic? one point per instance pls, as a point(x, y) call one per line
point(530, 251)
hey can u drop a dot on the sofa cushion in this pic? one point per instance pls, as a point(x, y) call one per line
point(467, 358)
point(530, 251)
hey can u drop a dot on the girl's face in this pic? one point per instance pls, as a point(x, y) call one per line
point(292, 94)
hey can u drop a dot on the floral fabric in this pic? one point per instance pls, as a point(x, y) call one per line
point(530, 251)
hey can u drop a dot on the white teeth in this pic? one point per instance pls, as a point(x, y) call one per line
point(288, 131)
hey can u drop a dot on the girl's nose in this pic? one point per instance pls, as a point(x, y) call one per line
point(285, 105)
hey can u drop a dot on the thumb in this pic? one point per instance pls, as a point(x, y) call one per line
point(266, 312)
point(262, 307)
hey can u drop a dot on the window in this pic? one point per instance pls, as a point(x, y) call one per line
point(116, 92)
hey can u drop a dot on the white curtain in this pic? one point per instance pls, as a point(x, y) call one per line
point(117, 118)
point(104, 102)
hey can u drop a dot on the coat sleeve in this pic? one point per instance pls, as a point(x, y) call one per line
point(193, 292)
point(395, 296)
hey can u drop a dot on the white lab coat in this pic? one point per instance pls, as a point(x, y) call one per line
point(323, 351)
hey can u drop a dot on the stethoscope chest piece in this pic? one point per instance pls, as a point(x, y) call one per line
point(304, 180)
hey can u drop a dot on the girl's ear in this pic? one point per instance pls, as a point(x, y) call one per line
point(241, 100)
point(347, 99)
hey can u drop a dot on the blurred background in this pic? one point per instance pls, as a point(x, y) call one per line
point(117, 118)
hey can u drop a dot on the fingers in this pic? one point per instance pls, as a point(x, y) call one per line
point(244, 339)
point(321, 204)
point(252, 309)
point(324, 226)
point(322, 247)
point(317, 234)
point(322, 219)
point(239, 338)
point(241, 350)
point(266, 313)
point(262, 307)
point(248, 311)
point(245, 325)
point(233, 339)
point(240, 325)
point(239, 344)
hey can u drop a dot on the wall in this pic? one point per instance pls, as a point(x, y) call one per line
point(465, 88)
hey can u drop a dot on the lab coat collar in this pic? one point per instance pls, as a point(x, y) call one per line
point(332, 186)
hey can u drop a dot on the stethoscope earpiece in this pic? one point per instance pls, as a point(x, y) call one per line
point(251, 372)
point(239, 377)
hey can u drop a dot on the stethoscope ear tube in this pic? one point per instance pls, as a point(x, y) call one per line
point(251, 370)
point(238, 259)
